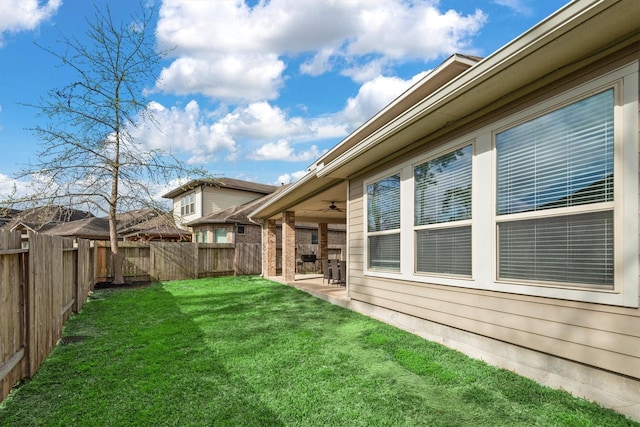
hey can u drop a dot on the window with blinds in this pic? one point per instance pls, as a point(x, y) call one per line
point(442, 212)
point(561, 160)
point(383, 223)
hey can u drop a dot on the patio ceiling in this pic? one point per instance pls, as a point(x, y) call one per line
point(314, 205)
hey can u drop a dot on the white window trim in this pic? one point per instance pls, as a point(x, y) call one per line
point(484, 236)
point(448, 148)
point(367, 233)
point(189, 206)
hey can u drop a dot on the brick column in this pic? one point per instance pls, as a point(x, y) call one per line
point(323, 241)
point(269, 248)
point(289, 246)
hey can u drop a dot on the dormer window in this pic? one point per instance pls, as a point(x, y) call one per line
point(188, 204)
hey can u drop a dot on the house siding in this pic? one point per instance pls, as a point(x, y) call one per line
point(215, 199)
point(601, 336)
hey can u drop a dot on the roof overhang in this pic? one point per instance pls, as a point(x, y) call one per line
point(579, 34)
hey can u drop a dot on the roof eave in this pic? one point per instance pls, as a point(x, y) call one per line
point(546, 51)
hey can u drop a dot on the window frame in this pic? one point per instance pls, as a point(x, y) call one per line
point(557, 212)
point(388, 272)
point(626, 218)
point(188, 204)
point(215, 235)
point(468, 222)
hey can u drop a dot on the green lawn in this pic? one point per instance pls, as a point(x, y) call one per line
point(243, 351)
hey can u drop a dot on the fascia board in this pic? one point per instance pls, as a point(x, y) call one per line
point(549, 29)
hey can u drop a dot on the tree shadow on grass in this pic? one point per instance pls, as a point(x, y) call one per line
point(142, 362)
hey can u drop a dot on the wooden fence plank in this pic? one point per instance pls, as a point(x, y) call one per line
point(248, 258)
point(11, 312)
point(38, 291)
point(174, 260)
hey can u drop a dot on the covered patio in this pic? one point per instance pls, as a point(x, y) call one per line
point(315, 285)
point(324, 204)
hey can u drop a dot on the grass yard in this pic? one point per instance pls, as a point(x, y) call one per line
point(243, 351)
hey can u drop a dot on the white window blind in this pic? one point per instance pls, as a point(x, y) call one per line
point(384, 251)
point(442, 193)
point(383, 223)
point(445, 251)
point(572, 248)
point(563, 159)
point(443, 188)
point(383, 204)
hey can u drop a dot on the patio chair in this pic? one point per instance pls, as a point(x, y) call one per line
point(326, 271)
point(334, 271)
point(340, 273)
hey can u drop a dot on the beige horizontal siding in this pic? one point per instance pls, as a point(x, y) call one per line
point(606, 350)
point(603, 336)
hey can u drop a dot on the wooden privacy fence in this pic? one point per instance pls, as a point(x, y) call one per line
point(39, 289)
point(41, 286)
point(156, 261)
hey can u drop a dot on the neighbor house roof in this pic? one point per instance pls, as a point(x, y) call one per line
point(161, 225)
point(43, 218)
point(236, 214)
point(87, 228)
point(230, 183)
point(463, 89)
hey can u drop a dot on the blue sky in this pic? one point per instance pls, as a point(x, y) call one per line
point(255, 90)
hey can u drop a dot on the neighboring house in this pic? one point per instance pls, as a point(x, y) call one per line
point(232, 225)
point(494, 206)
point(146, 225)
point(43, 218)
point(7, 214)
point(142, 225)
point(89, 228)
point(201, 197)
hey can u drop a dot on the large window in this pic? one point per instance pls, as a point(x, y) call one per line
point(442, 211)
point(555, 195)
point(542, 201)
point(383, 223)
point(188, 204)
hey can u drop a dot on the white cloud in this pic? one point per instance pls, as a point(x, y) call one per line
point(24, 15)
point(289, 178)
point(282, 150)
point(518, 6)
point(319, 64)
point(231, 77)
point(372, 97)
point(400, 30)
point(13, 188)
point(186, 130)
point(260, 130)
point(232, 52)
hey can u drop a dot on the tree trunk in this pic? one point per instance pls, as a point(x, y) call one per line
point(118, 277)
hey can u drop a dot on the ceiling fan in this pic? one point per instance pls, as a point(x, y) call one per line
point(332, 208)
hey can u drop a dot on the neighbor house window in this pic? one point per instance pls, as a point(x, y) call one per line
point(314, 237)
point(220, 235)
point(555, 196)
point(442, 211)
point(188, 204)
point(383, 224)
point(240, 229)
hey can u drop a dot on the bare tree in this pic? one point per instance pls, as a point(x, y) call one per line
point(89, 156)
